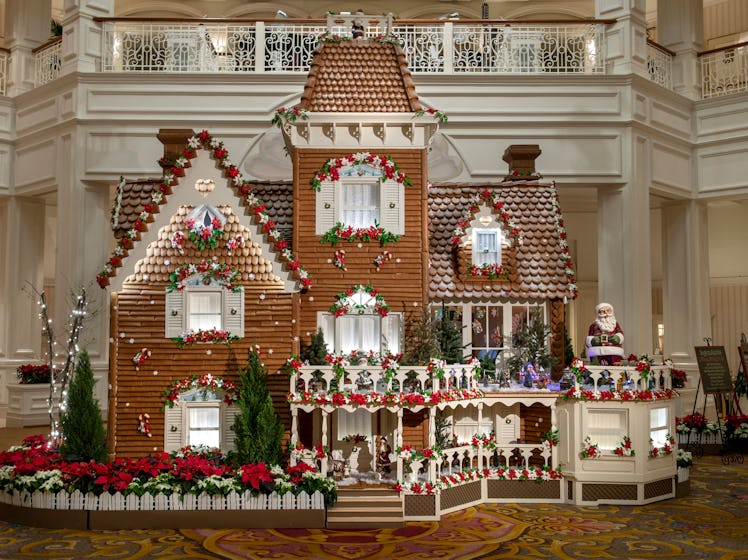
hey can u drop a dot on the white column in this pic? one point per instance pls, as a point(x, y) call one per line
point(21, 274)
point(83, 244)
point(625, 40)
point(294, 426)
point(686, 306)
point(27, 25)
point(624, 269)
point(680, 28)
point(81, 35)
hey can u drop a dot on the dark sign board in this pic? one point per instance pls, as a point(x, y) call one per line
point(713, 368)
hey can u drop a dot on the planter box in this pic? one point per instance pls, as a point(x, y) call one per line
point(27, 405)
point(88, 511)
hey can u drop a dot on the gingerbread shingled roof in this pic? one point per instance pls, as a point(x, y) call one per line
point(277, 197)
point(540, 259)
point(162, 258)
point(358, 76)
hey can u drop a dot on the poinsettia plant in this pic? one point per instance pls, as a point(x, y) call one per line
point(212, 336)
point(589, 450)
point(340, 232)
point(30, 374)
point(624, 449)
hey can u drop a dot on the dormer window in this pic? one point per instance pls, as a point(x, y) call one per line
point(486, 246)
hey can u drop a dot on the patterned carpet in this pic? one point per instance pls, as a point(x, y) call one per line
point(711, 523)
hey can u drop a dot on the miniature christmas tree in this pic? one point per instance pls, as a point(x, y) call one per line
point(84, 437)
point(257, 427)
point(421, 339)
point(531, 345)
point(316, 352)
point(449, 337)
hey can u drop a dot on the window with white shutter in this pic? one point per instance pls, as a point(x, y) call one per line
point(363, 332)
point(199, 418)
point(360, 198)
point(202, 308)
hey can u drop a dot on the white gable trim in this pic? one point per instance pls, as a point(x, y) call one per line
point(203, 166)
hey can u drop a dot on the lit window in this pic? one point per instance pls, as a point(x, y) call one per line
point(204, 310)
point(204, 426)
point(360, 204)
point(486, 246)
point(658, 426)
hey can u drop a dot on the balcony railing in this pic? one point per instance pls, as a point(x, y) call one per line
point(4, 55)
point(432, 46)
point(47, 61)
point(724, 71)
point(660, 64)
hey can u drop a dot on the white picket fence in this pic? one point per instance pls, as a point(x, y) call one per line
point(190, 502)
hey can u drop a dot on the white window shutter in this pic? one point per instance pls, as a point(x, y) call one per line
point(509, 432)
point(326, 322)
point(233, 312)
point(392, 210)
point(391, 333)
point(325, 208)
point(175, 319)
point(173, 428)
point(228, 436)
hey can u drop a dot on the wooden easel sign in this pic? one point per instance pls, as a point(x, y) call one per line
point(713, 369)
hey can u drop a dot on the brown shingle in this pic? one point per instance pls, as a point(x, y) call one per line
point(540, 273)
point(359, 76)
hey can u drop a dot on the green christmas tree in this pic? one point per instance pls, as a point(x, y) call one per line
point(316, 352)
point(84, 437)
point(449, 337)
point(258, 429)
point(421, 339)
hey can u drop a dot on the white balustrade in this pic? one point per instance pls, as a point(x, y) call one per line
point(365, 379)
point(659, 65)
point(278, 46)
point(3, 70)
point(724, 71)
point(626, 378)
point(47, 62)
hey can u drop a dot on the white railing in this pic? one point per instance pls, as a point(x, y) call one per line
point(288, 46)
point(47, 61)
point(3, 70)
point(724, 71)
point(78, 500)
point(368, 379)
point(660, 64)
point(625, 378)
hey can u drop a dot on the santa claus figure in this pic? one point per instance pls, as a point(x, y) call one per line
point(605, 337)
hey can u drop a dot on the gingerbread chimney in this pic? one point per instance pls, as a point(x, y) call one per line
point(521, 159)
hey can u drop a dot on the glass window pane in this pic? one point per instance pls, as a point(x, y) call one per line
point(478, 326)
point(204, 310)
point(352, 423)
point(204, 426)
point(658, 417)
point(495, 326)
point(360, 204)
point(659, 437)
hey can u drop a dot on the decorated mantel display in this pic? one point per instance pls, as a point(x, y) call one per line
point(605, 337)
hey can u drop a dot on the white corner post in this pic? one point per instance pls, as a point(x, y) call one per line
point(625, 40)
point(680, 28)
point(82, 36)
point(624, 268)
point(26, 27)
point(686, 307)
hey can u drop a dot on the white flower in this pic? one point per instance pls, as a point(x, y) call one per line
point(193, 142)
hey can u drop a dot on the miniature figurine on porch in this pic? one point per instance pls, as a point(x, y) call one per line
point(357, 27)
point(384, 463)
point(605, 337)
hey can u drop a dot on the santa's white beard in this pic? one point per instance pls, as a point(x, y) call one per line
point(607, 324)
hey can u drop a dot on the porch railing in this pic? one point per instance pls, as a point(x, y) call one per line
point(432, 46)
point(47, 61)
point(4, 55)
point(724, 71)
point(660, 64)
point(369, 379)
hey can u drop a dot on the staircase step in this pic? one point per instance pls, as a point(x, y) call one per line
point(353, 511)
point(369, 523)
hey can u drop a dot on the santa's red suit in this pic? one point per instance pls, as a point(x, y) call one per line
point(602, 344)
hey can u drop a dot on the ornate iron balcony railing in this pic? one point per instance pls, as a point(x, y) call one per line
point(3, 70)
point(431, 46)
point(724, 71)
point(47, 61)
point(660, 64)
